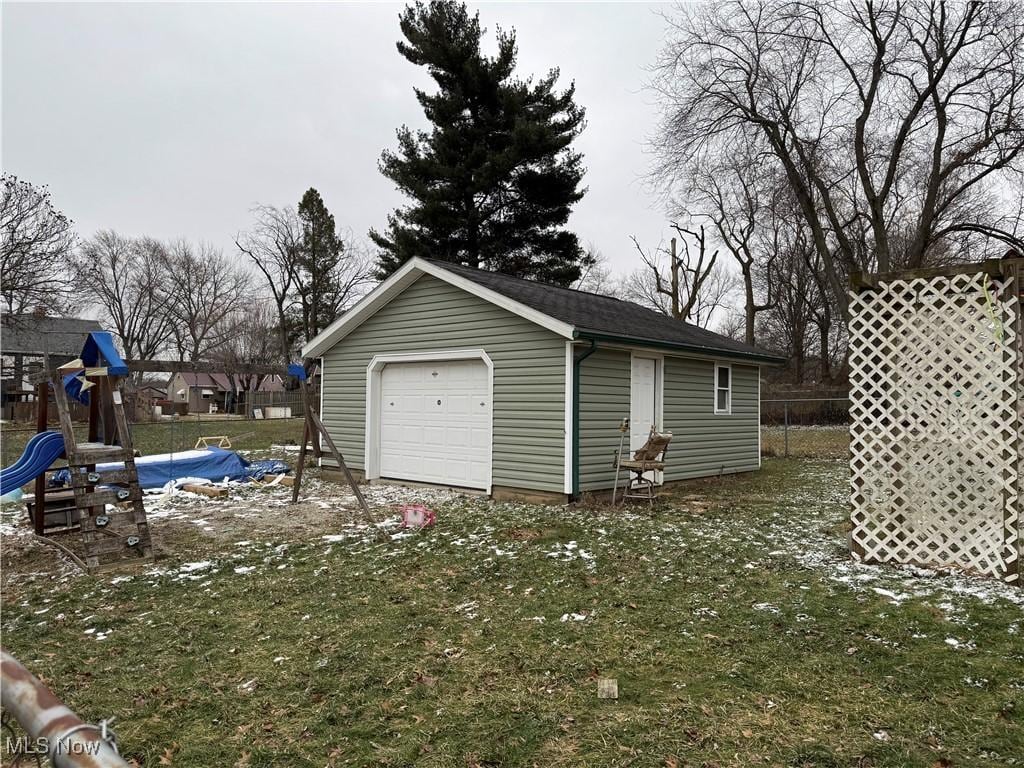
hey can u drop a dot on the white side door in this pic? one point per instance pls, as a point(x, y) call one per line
point(644, 408)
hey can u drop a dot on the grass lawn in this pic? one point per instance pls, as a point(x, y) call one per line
point(813, 442)
point(738, 629)
point(181, 435)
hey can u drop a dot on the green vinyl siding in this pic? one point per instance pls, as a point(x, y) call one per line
point(529, 377)
point(604, 403)
point(704, 443)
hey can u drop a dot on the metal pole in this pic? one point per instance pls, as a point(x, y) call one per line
point(70, 741)
point(785, 431)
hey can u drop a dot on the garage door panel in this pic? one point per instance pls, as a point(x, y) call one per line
point(458, 405)
point(434, 436)
point(436, 422)
point(480, 438)
point(457, 437)
point(390, 434)
point(411, 434)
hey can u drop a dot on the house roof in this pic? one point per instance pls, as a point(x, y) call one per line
point(35, 335)
point(569, 313)
point(222, 382)
point(210, 380)
point(593, 314)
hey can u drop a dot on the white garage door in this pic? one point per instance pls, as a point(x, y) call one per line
point(436, 423)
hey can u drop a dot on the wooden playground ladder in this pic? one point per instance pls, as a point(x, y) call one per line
point(105, 537)
point(314, 429)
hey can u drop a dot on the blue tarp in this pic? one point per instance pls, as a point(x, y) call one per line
point(213, 464)
point(155, 471)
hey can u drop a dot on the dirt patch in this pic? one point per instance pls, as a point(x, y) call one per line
point(183, 522)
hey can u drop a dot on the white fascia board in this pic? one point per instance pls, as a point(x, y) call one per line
point(565, 330)
point(364, 309)
point(402, 279)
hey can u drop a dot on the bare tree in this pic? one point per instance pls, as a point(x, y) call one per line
point(308, 289)
point(733, 326)
point(274, 246)
point(250, 337)
point(326, 287)
point(207, 288)
point(692, 286)
point(882, 117)
point(37, 244)
point(597, 276)
point(739, 200)
point(125, 278)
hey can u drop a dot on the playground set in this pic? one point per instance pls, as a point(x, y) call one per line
point(105, 500)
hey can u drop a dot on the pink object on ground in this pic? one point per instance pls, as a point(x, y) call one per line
point(417, 516)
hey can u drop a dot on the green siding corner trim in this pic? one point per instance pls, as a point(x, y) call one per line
point(529, 377)
point(703, 443)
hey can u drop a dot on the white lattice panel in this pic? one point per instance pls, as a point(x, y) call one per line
point(935, 435)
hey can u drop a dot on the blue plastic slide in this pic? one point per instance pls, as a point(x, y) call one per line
point(42, 450)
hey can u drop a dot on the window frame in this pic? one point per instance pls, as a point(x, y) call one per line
point(716, 388)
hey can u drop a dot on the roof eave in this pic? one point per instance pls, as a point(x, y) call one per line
point(407, 274)
point(765, 359)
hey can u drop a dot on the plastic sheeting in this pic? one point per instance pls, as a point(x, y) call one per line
point(155, 471)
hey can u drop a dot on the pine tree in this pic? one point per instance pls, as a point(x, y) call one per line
point(319, 281)
point(494, 181)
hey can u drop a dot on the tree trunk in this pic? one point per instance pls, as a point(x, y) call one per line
point(750, 308)
point(283, 328)
point(674, 262)
point(826, 366)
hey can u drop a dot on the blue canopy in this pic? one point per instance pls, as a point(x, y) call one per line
point(99, 350)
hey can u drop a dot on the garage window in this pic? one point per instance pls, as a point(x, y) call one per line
point(723, 389)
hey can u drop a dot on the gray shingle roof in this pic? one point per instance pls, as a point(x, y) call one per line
point(34, 335)
point(595, 315)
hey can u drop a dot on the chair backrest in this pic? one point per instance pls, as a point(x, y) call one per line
point(654, 448)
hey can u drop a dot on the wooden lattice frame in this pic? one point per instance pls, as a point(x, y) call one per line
point(937, 433)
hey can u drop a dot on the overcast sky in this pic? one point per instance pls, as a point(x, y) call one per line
point(173, 120)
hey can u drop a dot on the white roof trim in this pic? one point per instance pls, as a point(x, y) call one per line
point(402, 279)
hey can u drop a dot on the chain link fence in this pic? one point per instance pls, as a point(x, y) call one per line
point(256, 421)
point(814, 427)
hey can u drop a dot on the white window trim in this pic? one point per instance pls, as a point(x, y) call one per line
point(714, 391)
point(371, 427)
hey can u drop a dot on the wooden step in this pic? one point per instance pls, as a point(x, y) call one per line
point(111, 545)
point(100, 499)
point(84, 454)
point(117, 477)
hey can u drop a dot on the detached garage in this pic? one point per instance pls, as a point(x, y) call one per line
point(449, 375)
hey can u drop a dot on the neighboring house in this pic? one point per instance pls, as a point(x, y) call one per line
point(26, 341)
point(450, 375)
point(151, 391)
point(213, 392)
